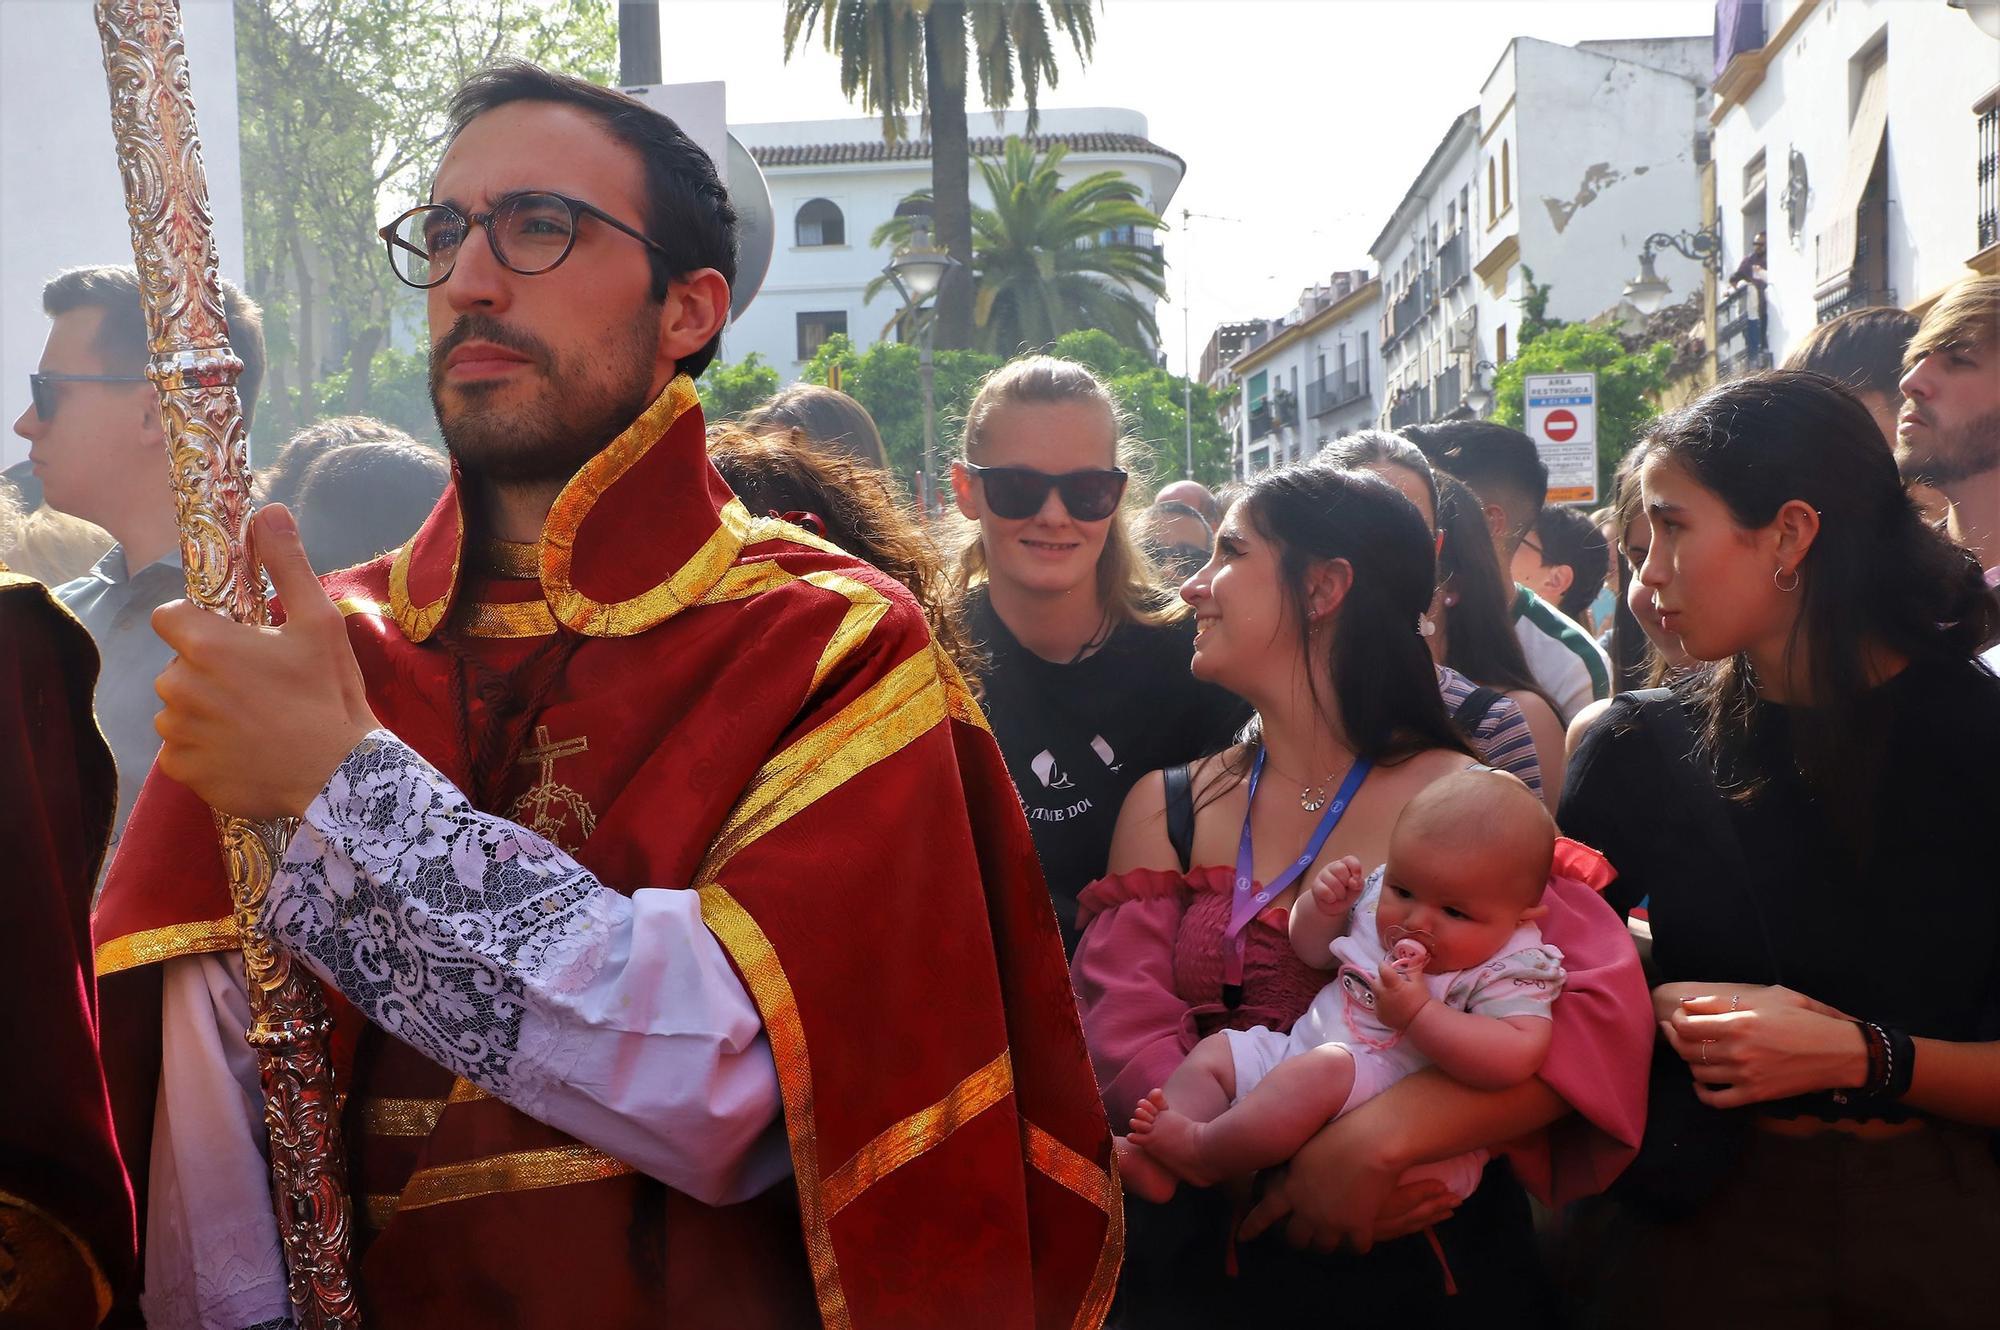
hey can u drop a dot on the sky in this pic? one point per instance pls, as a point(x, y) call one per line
point(1302, 122)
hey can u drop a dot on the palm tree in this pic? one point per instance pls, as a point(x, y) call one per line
point(897, 54)
point(1048, 258)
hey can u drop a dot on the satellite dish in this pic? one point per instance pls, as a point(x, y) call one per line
point(756, 226)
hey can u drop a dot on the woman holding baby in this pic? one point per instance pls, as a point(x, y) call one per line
point(1310, 610)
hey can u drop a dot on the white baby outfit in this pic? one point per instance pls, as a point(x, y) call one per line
point(1522, 979)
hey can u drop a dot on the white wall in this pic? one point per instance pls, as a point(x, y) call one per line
point(61, 202)
point(1938, 64)
point(822, 278)
point(1604, 157)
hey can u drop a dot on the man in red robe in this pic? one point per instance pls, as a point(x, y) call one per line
point(66, 1238)
point(706, 970)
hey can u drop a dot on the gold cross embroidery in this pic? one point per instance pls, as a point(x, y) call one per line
point(547, 753)
point(550, 809)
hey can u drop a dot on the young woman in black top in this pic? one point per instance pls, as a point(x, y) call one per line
point(1813, 821)
point(1086, 677)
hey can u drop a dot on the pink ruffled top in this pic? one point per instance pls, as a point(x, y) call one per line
point(1148, 975)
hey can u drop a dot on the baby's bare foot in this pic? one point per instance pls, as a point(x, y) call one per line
point(1175, 1140)
point(1146, 1113)
point(1143, 1176)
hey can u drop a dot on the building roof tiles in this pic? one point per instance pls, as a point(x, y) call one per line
point(984, 145)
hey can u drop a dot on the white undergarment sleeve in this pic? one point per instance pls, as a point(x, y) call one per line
point(212, 1255)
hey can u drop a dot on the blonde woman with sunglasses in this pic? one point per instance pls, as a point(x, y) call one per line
point(1086, 681)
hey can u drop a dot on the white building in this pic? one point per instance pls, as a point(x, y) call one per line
point(61, 202)
point(1430, 307)
point(1862, 137)
point(1313, 376)
point(834, 181)
point(1585, 151)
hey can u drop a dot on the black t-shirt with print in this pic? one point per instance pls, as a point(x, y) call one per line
point(1077, 737)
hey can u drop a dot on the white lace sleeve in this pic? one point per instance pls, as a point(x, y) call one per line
point(493, 953)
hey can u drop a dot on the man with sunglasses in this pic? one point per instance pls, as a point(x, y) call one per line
point(97, 446)
point(693, 926)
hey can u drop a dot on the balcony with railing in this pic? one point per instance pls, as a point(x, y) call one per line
point(1454, 262)
point(1404, 313)
point(1988, 223)
point(1445, 395)
point(1260, 420)
point(1852, 293)
point(1734, 355)
point(1327, 395)
point(1410, 406)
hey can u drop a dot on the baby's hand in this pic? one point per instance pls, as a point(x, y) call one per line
point(1338, 885)
point(1399, 995)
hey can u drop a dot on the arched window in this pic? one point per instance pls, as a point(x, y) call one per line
point(820, 223)
point(1492, 195)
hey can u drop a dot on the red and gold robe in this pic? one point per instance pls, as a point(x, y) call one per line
point(66, 1232)
point(763, 719)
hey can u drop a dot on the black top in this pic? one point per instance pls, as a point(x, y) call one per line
point(1894, 919)
point(1077, 737)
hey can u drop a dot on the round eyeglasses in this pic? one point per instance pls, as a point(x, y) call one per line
point(530, 232)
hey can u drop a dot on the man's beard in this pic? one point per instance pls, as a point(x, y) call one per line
point(547, 439)
point(1951, 454)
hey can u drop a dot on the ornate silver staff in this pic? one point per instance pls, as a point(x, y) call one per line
point(166, 200)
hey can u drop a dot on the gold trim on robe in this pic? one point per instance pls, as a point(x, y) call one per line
point(902, 707)
point(757, 960)
point(522, 1170)
point(99, 1285)
point(920, 1132)
point(1064, 1166)
point(164, 944)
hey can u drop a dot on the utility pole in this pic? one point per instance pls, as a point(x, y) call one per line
point(1187, 365)
point(639, 43)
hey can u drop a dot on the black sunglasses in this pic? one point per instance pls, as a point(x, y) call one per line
point(42, 388)
point(1015, 492)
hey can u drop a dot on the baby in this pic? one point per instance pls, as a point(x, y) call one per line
point(1439, 962)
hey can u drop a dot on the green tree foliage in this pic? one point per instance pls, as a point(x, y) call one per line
point(1041, 263)
point(1628, 385)
point(884, 378)
point(727, 391)
point(1534, 304)
point(343, 120)
point(1156, 403)
point(900, 55)
point(399, 394)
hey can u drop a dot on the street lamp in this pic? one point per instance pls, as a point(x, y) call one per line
point(917, 270)
point(1479, 397)
point(1648, 291)
point(1985, 13)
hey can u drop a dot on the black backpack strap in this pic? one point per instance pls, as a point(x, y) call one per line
point(1180, 812)
point(1472, 711)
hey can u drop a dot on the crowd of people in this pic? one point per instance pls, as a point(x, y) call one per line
point(1475, 910)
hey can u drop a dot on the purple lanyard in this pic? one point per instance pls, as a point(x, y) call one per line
point(1245, 903)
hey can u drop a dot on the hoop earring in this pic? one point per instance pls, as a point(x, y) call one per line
point(1778, 572)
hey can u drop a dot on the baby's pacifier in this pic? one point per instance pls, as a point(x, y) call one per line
point(1409, 955)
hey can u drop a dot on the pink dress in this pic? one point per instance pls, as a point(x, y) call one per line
point(1148, 975)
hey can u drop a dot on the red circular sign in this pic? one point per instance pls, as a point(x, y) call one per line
point(1560, 425)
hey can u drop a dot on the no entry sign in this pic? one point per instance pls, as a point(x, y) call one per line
point(1562, 420)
